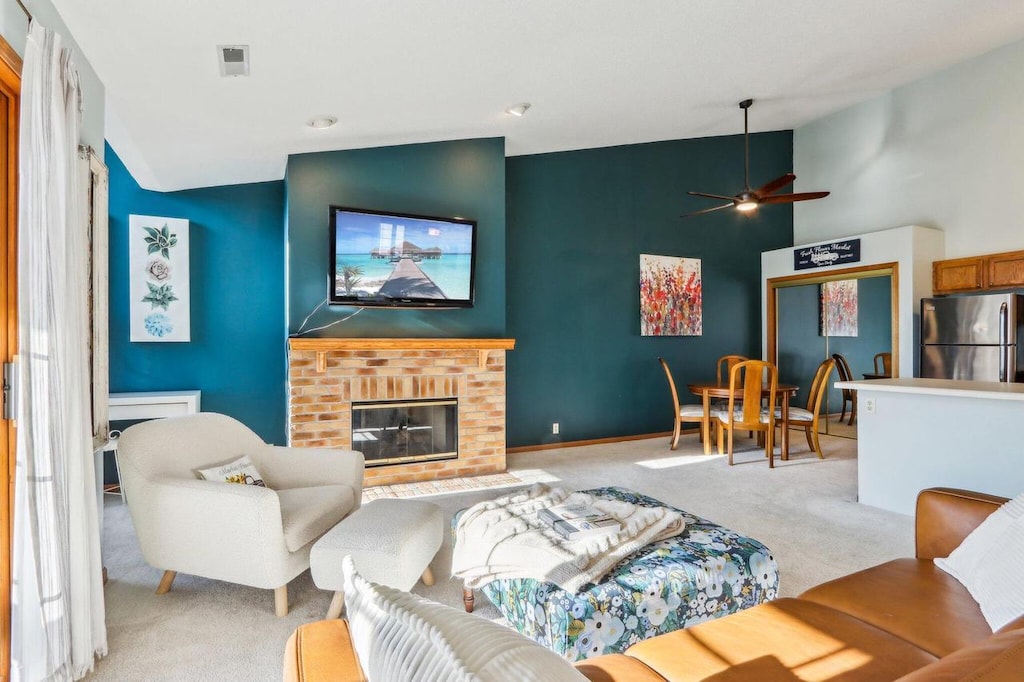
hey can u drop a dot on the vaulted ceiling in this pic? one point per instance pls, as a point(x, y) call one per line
point(596, 72)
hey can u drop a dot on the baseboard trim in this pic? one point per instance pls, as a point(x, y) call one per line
point(594, 441)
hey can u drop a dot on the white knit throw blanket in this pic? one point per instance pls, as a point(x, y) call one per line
point(503, 538)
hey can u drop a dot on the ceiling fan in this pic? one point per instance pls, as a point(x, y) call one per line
point(749, 199)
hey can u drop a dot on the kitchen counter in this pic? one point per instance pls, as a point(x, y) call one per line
point(952, 387)
point(917, 433)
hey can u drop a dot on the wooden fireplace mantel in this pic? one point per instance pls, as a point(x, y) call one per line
point(322, 346)
point(353, 343)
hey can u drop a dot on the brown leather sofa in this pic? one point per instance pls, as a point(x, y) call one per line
point(904, 619)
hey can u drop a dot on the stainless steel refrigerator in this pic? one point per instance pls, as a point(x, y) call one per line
point(973, 337)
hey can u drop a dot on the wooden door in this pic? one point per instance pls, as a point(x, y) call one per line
point(10, 90)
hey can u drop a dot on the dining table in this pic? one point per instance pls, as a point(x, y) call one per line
point(714, 389)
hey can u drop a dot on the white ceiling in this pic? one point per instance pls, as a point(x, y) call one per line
point(597, 72)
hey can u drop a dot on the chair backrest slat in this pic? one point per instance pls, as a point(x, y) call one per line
point(819, 384)
point(750, 376)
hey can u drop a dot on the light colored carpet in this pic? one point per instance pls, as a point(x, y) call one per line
point(805, 511)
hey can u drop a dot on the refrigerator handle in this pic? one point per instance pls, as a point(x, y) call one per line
point(1004, 350)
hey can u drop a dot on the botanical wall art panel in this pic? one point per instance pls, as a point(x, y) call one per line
point(838, 308)
point(671, 296)
point(158, 278)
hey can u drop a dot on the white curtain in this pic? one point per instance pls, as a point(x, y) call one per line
point(57, 589)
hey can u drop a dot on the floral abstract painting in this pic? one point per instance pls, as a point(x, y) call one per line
point(838, 308)
point(670, 296)
point(158, 279)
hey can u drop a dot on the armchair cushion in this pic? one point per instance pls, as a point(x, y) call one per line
point(241, 470)
point(308, 513)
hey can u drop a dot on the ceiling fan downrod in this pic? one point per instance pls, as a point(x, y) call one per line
point(744, 105)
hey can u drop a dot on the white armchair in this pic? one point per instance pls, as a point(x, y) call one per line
point(250, 535)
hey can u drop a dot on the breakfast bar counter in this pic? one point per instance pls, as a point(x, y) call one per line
point(918, 433)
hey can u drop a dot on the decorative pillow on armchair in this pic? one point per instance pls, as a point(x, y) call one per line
point(241, 470)
point(988, 563)
point(401, 636)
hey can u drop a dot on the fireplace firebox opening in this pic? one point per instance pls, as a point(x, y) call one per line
point(398, 432)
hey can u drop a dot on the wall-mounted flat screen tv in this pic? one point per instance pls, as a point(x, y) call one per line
point(401, 260)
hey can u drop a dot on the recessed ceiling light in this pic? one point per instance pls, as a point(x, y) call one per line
point(321, 122)
point(519, 109)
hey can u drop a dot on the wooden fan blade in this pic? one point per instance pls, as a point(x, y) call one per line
point(712, 196)
point(790, 198)
point(775, 185)
point(707, 210)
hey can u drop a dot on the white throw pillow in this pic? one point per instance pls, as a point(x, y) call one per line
point(241, 470)
point(401, 636)
point(988, 563)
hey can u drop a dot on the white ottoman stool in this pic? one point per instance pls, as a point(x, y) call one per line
point(391, 542)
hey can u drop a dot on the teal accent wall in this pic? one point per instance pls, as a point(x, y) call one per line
point(578, 222)
point(464, 178)
point(237, 353)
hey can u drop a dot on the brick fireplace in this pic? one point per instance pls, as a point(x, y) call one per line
point(326, 376)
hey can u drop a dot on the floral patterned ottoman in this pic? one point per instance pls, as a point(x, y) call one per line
point(706, 572)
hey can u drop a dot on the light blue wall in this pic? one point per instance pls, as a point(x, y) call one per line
point(14, 29)
point(237, 353)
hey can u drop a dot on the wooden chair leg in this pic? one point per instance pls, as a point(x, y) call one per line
point(166, 582)
point(817, 446)
point(468, 598)
point(730, 445)
point(769, 438)
point(720, 439)
point(427, 577)
point(675, 436)
point(811, 440)
point(337, 602)
point(281, 601)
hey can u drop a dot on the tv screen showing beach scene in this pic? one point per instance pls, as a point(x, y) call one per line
point(395, 259)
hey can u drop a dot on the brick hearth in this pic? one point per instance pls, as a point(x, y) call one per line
point(326, 376)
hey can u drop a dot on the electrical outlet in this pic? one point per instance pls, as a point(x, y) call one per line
point(869, 405)
point(554, 428)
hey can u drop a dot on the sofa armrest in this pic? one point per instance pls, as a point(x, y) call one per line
point(322, 652)
point(945, 516)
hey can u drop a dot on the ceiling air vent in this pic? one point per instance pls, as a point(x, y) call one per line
point(234, 60)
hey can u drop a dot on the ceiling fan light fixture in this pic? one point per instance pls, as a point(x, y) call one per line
point(746, 205)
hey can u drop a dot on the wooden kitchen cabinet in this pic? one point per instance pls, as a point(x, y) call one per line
point(979, 273)
point(958, 274)
point(1005, 270)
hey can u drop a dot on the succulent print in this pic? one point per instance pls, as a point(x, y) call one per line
point(158, 325)
point(160, 240)
point(706, 572)
point(159, 296)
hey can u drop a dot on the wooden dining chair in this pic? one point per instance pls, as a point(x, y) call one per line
point(807, 419)
point(725, 365)
point(883, 364)
point(849, 395)
point(683, 413)
point(747, 381)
